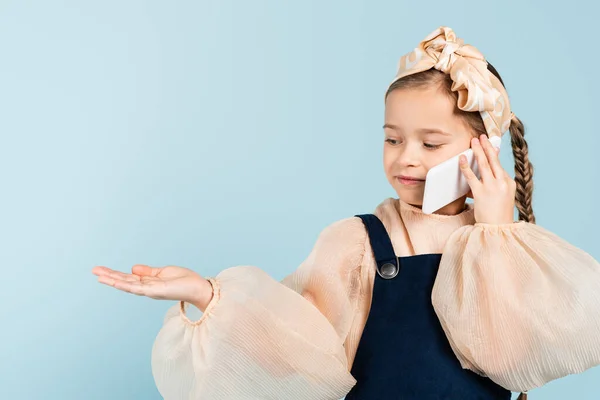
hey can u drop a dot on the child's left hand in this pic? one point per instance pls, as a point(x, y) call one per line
point(493, 195)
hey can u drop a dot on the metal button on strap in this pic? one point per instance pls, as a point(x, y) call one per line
point(388, 271)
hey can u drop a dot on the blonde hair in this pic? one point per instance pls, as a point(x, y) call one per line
point(520, 149)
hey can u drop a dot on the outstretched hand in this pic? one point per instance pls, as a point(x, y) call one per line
point(166, 283)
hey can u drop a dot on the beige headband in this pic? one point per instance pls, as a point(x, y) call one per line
point(478, 89)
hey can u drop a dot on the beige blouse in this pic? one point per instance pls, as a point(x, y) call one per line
point(518, 304)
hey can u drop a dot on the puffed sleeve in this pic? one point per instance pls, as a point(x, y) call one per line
point(518, 303)
point(263, 339)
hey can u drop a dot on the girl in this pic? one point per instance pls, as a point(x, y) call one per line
point(465, 303)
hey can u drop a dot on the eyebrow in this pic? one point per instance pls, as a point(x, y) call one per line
point(420, 130)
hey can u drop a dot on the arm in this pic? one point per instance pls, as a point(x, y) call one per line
point(519, 304)
point(259, 338)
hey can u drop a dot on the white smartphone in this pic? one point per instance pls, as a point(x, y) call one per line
point(445, 182)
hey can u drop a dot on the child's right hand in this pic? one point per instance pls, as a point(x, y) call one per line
point(167, 283)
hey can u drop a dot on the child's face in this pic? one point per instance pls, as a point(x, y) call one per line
point(411, 146)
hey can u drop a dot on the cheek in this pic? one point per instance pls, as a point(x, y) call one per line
point(435, 159)
point(388, 159)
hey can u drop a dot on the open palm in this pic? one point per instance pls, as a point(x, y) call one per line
point(166, 283)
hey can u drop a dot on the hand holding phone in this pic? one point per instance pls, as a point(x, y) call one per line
point(445, 182)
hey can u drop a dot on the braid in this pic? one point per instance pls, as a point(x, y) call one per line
point(523, 171)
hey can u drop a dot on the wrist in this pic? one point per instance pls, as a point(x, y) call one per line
point(497, 219)
point(204, 295)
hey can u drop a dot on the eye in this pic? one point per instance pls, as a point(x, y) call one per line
point(432, 146)
point(393, 142)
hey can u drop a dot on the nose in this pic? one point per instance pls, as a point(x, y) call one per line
point(408, 156)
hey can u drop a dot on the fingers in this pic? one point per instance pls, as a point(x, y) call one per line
point(492, 157)
point(119, 280)
point(144, 270)
point(107, 272)
point(482, 160)
point(469, 174)
point(135, 287)
point(101, 270)
point(124, 276)
point(137, 270)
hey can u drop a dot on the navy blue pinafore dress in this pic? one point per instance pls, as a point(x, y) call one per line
point(403, 352)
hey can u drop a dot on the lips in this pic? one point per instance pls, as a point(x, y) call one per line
point(409, 180)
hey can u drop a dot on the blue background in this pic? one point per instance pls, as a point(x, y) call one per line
point(213, 134)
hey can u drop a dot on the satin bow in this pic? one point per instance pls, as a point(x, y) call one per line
point(478, 89)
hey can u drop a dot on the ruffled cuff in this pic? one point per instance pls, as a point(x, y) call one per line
point(216, 289)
